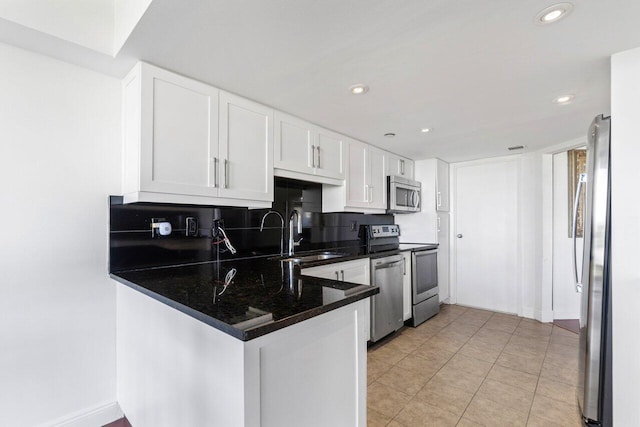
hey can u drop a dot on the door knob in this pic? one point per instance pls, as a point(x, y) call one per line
point(459, 236)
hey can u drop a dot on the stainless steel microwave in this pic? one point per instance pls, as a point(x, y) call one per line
point(403, 195)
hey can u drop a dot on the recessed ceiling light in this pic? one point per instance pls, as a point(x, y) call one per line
point(553, 13)
point(425, 130)
point(564, 99)
point(359, 89)
point(389, 134)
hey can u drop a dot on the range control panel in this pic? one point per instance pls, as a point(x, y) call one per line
point(384, 231)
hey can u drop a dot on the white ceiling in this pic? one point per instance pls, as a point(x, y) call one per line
point(480, 73)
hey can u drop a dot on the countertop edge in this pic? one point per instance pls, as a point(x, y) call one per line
point(363, 291)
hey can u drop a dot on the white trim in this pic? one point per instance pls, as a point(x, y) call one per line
point(546, 291)
point(529, 313)
point(98, 415)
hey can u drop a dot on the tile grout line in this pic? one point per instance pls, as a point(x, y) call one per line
point(492, 365)
point(443, 365)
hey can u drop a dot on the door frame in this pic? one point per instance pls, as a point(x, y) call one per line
point(545, 312)
point(453, 223)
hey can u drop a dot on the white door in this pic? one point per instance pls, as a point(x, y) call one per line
point(246, 149)
point(486, 235)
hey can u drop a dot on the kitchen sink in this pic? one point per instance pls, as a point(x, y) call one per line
point(315, 257)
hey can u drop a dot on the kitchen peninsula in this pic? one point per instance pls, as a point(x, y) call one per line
point(240, 343)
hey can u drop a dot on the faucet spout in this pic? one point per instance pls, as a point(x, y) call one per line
point(281, 228)
point(292, 242)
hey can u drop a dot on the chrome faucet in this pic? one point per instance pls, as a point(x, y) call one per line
point(292, 242)
point(281, 228)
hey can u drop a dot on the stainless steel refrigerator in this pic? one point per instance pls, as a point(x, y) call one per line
point(594, 362)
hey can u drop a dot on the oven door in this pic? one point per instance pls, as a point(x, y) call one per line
point(424, 281)
point(404, 198)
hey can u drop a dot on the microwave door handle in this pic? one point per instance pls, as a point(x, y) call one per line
point(416, 199)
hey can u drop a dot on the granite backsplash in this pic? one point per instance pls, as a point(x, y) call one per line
point(133, 247)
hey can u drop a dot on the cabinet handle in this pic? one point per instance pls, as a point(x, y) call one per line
point(342, 274)
point(366, 191)
point(404, 266)
point(226, 173)
point(401, 167)
point(439, 199)
point(337, 278)
point(438, 224)
point(318, 149)
point(215, 172)
point(313, 156)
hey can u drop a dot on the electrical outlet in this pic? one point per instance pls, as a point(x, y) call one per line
point(191, 227)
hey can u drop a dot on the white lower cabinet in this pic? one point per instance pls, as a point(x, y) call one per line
point(355, 271)
point(174, 370)
point(406, 286)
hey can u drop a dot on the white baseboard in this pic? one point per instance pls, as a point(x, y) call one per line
point(98, 415)
point(528, 312)
point(545, 316)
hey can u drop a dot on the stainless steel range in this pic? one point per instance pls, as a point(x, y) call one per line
point(424, 285)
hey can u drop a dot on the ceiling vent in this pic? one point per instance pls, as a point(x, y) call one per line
point(516, 147)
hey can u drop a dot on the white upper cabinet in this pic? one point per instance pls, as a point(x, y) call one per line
point(365, 188)
point(434, 175)
point(442, 186)
point(293, 149)
point(246, 149)
point(171, 133)
point(399, 166)
point(180, 147)
point(377, 178)
point(329, 154)
point(303, 148)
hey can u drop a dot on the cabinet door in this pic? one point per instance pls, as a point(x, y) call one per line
point(329, 160)
point(179, 134)
point(378, 179)
point(406, 286)
point(395, 167)
point(356, 271)
point(443, 255)
point(293, 144)
point(442, 186)
point(328, 271)
point(408, 168)
point(358, 180)
point(246, 149)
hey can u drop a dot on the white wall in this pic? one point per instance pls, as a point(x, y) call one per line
point(59, 159)
point(625, 244)
point(566, 301)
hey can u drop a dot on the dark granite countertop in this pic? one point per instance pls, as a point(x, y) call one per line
point(262, 294)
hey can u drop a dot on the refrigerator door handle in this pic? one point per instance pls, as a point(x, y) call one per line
point(581, 181)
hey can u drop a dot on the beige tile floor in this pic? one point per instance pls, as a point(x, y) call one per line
point(469, 367)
